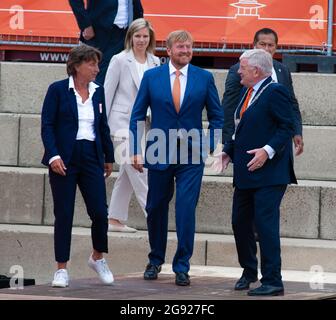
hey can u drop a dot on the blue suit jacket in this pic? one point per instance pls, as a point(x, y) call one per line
point(60, 124)
point(233, 90)
point(268, 120)
point(155, 92)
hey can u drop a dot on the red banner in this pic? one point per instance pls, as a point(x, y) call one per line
point(298, 23)
point(236, 21)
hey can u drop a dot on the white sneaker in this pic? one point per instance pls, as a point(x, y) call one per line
point(102, 269)
point(61, 279)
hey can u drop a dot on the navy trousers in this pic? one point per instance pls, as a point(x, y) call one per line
point(260, 206)
point(85, 171)
point(160, 191)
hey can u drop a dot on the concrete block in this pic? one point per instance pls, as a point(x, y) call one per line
point(221, 251)
point(214, 208)
point(296, 254)
point(315, 97)
point(81, 218)
point(9, 132)
point(220, 77)
point(318, 160)
point(21, 194)
point(31, 147)
point(308, 255)
point(300, 210)
point(213, 213)
point(312, 91)
point(328, 221)
point(31, 82)
point(22, 245)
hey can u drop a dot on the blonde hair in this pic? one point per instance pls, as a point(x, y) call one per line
point(135, 26)
point(178, 36)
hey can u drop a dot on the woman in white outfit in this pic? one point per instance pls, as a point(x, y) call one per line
point(122, 83)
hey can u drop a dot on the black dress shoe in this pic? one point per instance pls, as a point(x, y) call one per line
point(266, 290)
point(182, 279)
point(244, 283)
point(151, 272)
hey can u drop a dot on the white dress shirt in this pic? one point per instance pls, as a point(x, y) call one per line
point(274, 75)
point(85, 115)
point(141, 68)
point(183, 79)
point(121, 19)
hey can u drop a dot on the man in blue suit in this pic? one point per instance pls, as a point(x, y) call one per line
point(176, 94)
point(263, 167)
point(103, 25)
point(266, 39)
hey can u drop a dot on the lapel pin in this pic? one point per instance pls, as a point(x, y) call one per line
point(100, 108)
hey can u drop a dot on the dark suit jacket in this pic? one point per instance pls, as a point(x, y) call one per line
point(233, 90)
point(155, 92)
point(60, 124)
point(268, 120)
point(100, 13)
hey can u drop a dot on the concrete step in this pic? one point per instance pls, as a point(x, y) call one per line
point(235, 272)
point(31, 247)
point(317, 162)
point(22, 146)
point(307, 210)
point(312, 90)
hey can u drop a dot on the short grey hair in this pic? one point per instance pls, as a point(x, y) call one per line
point(259, 58)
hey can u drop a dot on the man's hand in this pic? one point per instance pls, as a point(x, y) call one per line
point(260, 157)
point(298, 143)
point(88, 33)
point(137, 162)
point(221, 162)
point(58, 167)
point(108, 167)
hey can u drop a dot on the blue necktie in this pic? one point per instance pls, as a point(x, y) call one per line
point(130, 12)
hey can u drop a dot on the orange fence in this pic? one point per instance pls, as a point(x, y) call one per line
point(213, 23)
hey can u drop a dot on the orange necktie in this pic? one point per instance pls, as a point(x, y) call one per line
point(177, 91)
point(246, 102)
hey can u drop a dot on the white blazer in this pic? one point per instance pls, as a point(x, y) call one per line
point(121, 87)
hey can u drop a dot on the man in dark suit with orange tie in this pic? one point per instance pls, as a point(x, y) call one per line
point(266, 39)
point(262, 169)
point(103, 25)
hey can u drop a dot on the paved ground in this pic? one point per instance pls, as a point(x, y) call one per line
point(207, 283)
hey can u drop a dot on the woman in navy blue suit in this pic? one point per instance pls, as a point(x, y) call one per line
point(78, 151)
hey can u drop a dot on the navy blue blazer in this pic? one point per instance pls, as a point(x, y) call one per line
point(60, 124)
point(233, 90)
point(268, 120)
point(100, 13)
point(155, 92)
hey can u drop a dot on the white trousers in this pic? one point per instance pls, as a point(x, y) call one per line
point(128, 180)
